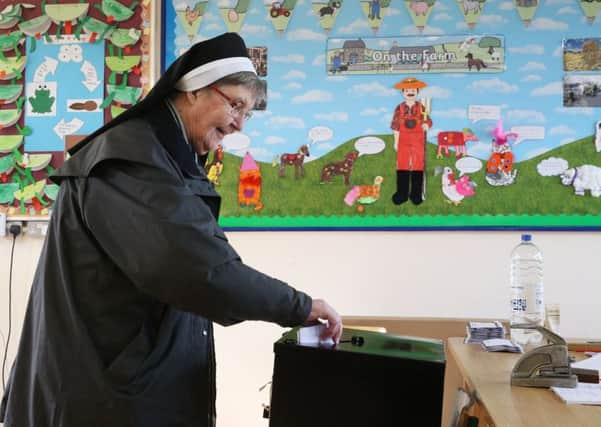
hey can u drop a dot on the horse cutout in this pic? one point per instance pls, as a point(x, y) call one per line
point(297, 159)
point(474, 62)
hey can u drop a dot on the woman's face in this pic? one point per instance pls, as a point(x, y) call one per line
point(209, 116)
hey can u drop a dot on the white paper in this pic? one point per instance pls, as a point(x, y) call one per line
point(583, 394)
point(590, 363)
point(310, 335)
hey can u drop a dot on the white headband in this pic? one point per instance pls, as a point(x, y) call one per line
point(212, 71)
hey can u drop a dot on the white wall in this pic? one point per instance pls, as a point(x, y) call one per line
point(437, 274)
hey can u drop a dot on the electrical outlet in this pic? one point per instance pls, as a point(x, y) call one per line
point(37, 228)
point(9, 224)
point(2, 224)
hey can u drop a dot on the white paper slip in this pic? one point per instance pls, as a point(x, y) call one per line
point(593, 362)
point(583, 394)
point(310, 335)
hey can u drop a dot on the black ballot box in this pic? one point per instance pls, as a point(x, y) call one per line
point(370, 379)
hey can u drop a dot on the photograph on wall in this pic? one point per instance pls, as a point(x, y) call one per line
point(582, 54)
point(410, 146)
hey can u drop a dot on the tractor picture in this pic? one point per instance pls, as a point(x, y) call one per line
point(278, 10)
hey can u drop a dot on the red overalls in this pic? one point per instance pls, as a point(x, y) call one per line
point(411, 145)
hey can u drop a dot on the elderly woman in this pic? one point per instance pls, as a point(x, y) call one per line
point(134, 270)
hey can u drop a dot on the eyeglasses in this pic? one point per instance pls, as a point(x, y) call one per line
point(236, 108)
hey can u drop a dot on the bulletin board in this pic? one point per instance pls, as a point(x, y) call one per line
point(66, 68)
point(511, 91)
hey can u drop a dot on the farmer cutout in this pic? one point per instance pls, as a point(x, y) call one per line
point(410, 122)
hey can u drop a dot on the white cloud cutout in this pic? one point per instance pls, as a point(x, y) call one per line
point(533, 66)
point(453, 113)
point(319, 60)
point(358, 26)
point(374, 111)
point(393, 11)
point(314, 95)
point(272, 94)
point(294, 75)
point(558, 51)
point(506, 5)
point(334, 116)
point(255, 29)
point(529, 49)
point(493, 85)
point(369, 131)
point(530, 116)
point(326, 146)
point(553, 2)
point(531, 78)
point(555, 88)
point(214, 26)
point(479, 149)
point(442, 17)
point(226, 4)
point(336, 78)
point(492, 19)
point(566, 141)
point(254, 133)
point(373, 89)
point(304, 34)
point(547, 24)
point(291, 58)
point(576, 111)
point(561, 130)
point(293, 85)
point(437, 92)
point(567, 10)
point(285, 122)
point(441, 6)
point(273, 140)
point(260, 153)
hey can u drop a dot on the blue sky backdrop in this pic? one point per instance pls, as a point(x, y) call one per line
point(301, 96)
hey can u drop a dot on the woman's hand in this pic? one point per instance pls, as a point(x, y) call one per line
point(322, 311)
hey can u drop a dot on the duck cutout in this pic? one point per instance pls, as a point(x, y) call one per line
point(366, 194)
point(455, 190)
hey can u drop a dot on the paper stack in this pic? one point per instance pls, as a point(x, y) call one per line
point(480, 331)
point(583, 394)
point(500, 344)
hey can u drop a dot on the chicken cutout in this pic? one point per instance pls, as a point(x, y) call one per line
point(499, 167)
point(455, 190)
point(190, 17)
point(364, 194)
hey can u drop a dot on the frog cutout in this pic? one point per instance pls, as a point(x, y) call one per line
point(42, 102)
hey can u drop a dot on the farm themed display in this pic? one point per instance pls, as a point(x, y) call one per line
point(54, 56)
point(327, 11)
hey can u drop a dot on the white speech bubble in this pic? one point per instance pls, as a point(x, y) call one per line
point(484, 112)
point(235, 142)
point(468, 165)
point(369, 145)
point(320, 134)
point(528, 132)
point(552, 166)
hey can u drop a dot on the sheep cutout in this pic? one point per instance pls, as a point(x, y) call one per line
point(582, 178)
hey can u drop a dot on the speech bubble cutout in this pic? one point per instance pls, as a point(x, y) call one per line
point(528, 132)
point(320, 134)
point(369, 145)
point(235, 142)
point(484, 112)
point(552, 166)
point(468, 165)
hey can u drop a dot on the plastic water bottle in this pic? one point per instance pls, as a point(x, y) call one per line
point(527, 290)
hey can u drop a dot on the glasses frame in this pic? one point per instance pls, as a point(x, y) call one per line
point(235, 107)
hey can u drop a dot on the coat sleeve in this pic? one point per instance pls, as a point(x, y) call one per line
point(164, 238)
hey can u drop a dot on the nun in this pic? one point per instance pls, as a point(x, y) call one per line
point(135, 268)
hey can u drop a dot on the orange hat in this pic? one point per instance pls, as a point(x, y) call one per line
point(410, 83)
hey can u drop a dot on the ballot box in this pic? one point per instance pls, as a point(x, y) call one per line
point(370, 379)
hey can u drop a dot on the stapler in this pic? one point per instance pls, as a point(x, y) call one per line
point(545, 366)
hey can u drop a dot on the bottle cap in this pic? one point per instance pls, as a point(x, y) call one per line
point(526, 237)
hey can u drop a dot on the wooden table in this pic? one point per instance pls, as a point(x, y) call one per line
point(499, 404)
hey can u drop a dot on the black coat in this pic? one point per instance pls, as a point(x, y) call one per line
point(133, 271)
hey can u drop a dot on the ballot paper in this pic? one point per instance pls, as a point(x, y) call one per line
point(583, 394)
point(501, 344)
point(480, 331)
point(593, 362)
point(310, 335)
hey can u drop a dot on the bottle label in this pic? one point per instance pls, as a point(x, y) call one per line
point(518, 304)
